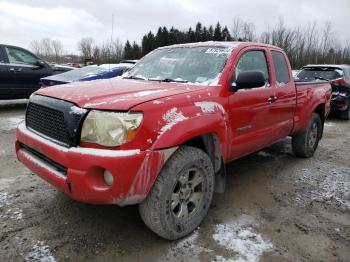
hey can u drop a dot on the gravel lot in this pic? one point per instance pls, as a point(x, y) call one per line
point(277, 208)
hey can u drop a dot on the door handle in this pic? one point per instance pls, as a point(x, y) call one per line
point(272, 99)
point(15, 70)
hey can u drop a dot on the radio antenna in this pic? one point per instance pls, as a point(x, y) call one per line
point(111, 44)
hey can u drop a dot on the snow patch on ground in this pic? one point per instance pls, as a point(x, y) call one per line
point(333, 188)
point(17, 214)
point(40, 252)
point(5, 211)
point(222, 259)
point(5, 183)
point(328, 124)
point(4, 199)
point(184, 249)
point(171, 117)
point(264, 154)
point(10, 123)
point(209, 107)
point(238, 236)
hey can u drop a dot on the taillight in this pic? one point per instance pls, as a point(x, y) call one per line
point(339, 82)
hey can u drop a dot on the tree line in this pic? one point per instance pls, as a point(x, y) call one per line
point(306, 44)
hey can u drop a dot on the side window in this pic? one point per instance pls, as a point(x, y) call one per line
point(2, 60)
point(281, 68)
point(18, 56)
point(252, 60)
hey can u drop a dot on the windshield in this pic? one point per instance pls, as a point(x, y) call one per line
point(200, 65)
point(312, 73)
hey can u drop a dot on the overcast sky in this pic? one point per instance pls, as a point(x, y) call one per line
point(22, 21)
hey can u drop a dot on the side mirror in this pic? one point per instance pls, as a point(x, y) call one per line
point(249, 79)
point(41, 63)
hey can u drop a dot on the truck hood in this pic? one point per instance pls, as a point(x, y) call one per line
point(115, 94)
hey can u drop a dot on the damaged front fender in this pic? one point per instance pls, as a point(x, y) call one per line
point(146, 176)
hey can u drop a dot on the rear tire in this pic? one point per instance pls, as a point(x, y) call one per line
point(305, 144)
point(345, 114)
point(181, 196)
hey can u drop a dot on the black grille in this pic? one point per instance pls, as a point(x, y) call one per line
point(47, 121)
point(54, 119)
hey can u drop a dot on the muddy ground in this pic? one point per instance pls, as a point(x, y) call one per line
point(277, 208)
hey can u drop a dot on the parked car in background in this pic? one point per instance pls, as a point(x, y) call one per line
point(59, 69)
point(87, 73)
point(129, 61)
point(160, 135)
point(75, 65)
point(339, 77)
point(295, 72)
point(20, 72)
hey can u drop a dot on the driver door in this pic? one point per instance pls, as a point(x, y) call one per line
point(250, 122)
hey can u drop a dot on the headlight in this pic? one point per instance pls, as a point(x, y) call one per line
point(110, 128)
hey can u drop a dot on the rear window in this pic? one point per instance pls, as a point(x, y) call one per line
point(281, 68)
point(312, 73)
point(80, 73)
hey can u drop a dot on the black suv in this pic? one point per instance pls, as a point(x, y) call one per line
point(339, 77)
point(20, 72)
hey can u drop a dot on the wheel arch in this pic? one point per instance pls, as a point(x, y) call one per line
point(211, 145)
point(321, 111)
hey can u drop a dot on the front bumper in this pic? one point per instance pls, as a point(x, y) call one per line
point(78, 172)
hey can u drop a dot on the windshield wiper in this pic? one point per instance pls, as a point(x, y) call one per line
point(168, 80)
point(134, 77)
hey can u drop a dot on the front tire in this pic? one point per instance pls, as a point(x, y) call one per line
point(181, 196)
point(305, 144)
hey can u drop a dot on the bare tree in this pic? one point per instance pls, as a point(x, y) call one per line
point(327, 40)
point(236, 28)
point(242, 31)
point(35, 46)
point(57, 48)
point(86, 46)
point(46, 47)
point(50, 50)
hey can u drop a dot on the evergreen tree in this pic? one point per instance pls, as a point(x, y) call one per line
point(226, 36)
point(191, 37)
point(172, 36)
point(218, 33)
point(128, 52)
point(206, 36)
point(165, 36)
point(136, 51)
point(198, 32)
point(211, 33)
point(148, 43)
point(158, 40)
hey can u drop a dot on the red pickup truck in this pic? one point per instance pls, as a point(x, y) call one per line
point(160, 135)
